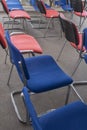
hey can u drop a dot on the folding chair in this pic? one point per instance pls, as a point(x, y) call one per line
point(72, 116)
point(15, 14)
point(79, 10)
point(73, 36)
point(39, 74)
point(77, 40)
point(36, 17)
point(25, 43)
point(49, 14)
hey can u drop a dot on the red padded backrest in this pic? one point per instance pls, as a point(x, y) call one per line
point(2, 37)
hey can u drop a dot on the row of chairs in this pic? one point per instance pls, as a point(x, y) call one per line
point(76, 8)
point(41, 74)
point(51, 14)
point(15, 14)
point(73, 115)
point(46, 69)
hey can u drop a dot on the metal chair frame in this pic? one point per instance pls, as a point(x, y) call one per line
point(78, 7)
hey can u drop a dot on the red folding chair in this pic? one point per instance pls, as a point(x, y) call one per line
point(15, 14)
point(79, 9)
point(49, 14)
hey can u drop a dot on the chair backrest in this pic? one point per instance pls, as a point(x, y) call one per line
point(17, 59)
point(30, 109)
point(69, 29)
point(34, 4)
point(85, 37)
point(5, 7)
point(41, 6)
point(77, 5)
point(3, 42)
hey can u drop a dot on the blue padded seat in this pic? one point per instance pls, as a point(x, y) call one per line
point(15, 4)
point(67, 7)
point(72, 116)
point(14, 7)
point(59, 2)
point(64, 4)
point(45, 74)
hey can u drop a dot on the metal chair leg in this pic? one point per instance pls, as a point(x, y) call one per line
point(76, 92)
point(6, 56)
point(80, 59)
point(47, 27)
point(61, 50)
point(14, 93)
point(10, 74)
point(68, 94)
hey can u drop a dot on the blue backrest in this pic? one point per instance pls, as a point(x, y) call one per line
point(30, 109)
point(85, 37)
point(16, 57)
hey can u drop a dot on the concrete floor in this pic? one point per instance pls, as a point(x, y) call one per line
point(53, 99)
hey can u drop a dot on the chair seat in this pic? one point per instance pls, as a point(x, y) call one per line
point(70, 117)
point(26, 42)
point(52, 13)
point(66, 8)
point(83, 14)
point(79, 47)
point(19, 14)
point(45, 74)
point(15, 7)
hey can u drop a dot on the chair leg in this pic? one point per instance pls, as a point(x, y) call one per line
point(15, 106)
point(76, 92)
point(10, 74)
point(81, 22)
point(6, 56)
point(47, 27)
point(61, 50)
point(80, 59)
point(74, 89)
point(68, 94)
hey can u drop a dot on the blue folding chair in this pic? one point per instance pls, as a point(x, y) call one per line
point(39, 74)
point(72, 116)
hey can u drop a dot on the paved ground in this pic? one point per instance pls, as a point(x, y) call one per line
point(51, 45)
